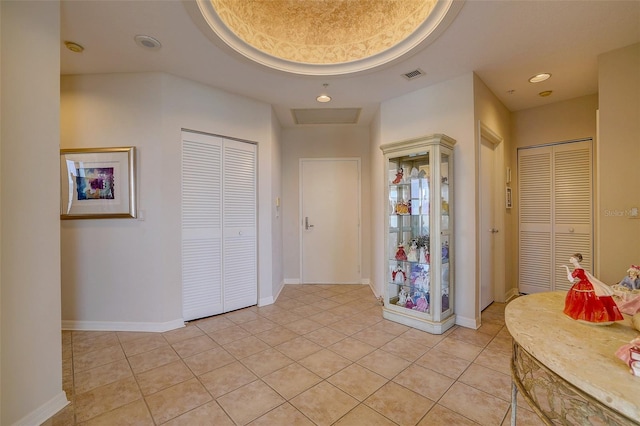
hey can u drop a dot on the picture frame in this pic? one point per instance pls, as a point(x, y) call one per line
point(509, 198)
point(97, 183)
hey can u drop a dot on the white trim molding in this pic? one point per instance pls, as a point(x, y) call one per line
point(156, 327)
point(468, 322)
point(45, 411)
point(266, 301)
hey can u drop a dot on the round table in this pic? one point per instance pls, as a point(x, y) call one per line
point(567, 370)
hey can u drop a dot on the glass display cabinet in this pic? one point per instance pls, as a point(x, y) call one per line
point(419, 233)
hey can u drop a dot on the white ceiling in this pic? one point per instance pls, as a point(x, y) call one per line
point(503, 42)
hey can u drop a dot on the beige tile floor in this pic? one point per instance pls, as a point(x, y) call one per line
point(321, 355)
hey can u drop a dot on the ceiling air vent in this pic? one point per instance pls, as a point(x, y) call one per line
point(326, 115)
point(414, 74)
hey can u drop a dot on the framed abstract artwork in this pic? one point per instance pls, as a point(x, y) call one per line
point(97, 183)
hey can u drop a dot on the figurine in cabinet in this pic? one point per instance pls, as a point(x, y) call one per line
point(402, 298)
point(420, 277)
point(400, 253)
point(421, 304)
point(422, 282)
point(398, 275)
point(398, 178)
point(409, 303)
point(403, 207)
point(445, 252)
point(423, 255)
point(412, 256)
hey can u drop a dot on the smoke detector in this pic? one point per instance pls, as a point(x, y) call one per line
point(147, 42)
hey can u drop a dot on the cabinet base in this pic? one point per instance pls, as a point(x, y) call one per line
point(433, 327)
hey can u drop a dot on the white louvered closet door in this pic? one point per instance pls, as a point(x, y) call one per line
point(573, 189)
point(556, 213)
point(201, 225)
point(535, 202)
point(239, 223)
point(219, 246)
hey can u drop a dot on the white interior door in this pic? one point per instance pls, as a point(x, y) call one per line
point(488, 227)
point(330, 221)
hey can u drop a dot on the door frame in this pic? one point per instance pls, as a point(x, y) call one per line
point(499, 292)
point(357, 160)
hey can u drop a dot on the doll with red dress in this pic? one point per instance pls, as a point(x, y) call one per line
point(589, 299)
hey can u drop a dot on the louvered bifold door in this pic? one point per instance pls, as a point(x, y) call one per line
point(201, 225)
point(572, 166)
point(239, 222)
point(535, 202)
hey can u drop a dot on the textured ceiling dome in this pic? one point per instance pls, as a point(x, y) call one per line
point(325, 36)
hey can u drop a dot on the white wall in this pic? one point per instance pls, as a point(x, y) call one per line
point(194, 106)
point(126, 273)
point(277, 247)
point(320, 142)
point(561, 121)
point(31, 381)
point(619, 153)
point(378, 215)
point(446, 108)
point(112, 269)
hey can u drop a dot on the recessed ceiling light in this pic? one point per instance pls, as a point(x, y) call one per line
point(147, 42)
point(545, 93)
point(324, 98)
point(539, 77)
point(74, 47)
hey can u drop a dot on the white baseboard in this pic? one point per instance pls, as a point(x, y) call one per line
point(512, 294)
point(467, 322)
point(45, 411)
point(266, 301)
point(373, 289)
point(158, 327)
point(364, 281)
point(275, 297)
